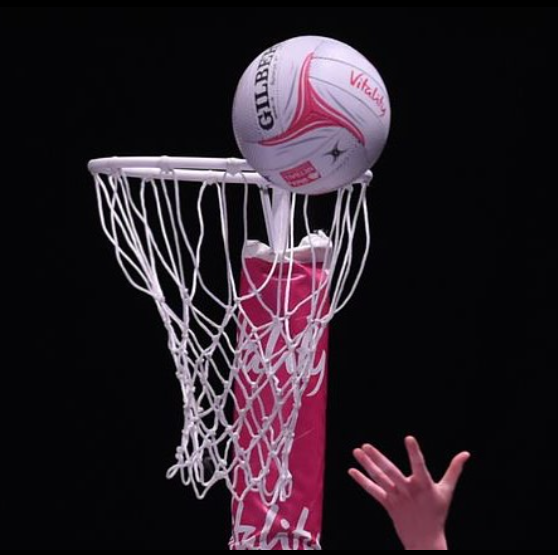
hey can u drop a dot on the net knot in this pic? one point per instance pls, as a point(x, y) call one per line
point(367, 178)
point(234, 166)
point(165, 166)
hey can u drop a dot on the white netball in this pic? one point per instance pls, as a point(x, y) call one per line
point(311, 114)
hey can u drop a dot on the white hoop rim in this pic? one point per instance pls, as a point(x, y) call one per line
point(180, 168)
point(231, 170)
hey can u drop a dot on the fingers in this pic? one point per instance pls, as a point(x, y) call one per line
point(373, 470)
point(455, 469)
point(392, 472)
point(416, 458)
point(368, 485)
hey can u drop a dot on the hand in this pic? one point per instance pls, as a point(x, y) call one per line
point(417, 505)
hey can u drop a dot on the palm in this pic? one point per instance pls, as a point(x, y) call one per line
point(417, 505)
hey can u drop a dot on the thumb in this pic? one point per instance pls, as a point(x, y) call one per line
point(455, 469)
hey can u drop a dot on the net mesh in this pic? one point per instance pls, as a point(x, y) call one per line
point(176, 243)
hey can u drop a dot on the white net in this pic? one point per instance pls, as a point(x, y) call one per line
point(186, 246)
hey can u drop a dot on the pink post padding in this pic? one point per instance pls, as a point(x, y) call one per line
point(294, 523)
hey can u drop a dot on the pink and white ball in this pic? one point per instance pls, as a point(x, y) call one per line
point(311, 114)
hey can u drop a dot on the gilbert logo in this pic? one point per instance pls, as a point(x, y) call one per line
point(261, 89)
point(361, 82)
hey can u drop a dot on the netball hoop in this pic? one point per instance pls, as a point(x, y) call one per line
point(246, 319)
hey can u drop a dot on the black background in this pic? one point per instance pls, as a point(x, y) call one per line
point(451, 335)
